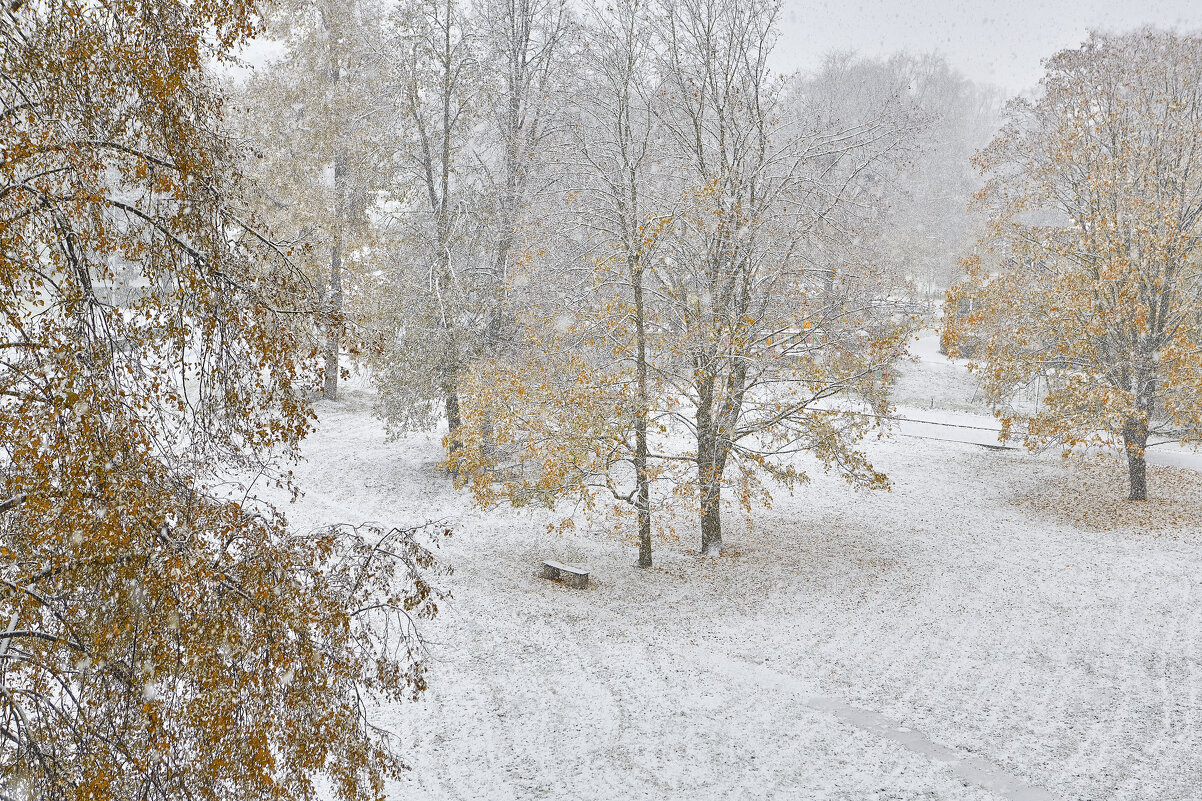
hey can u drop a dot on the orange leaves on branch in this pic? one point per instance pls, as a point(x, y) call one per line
point(1089, 279)
point(167, 635)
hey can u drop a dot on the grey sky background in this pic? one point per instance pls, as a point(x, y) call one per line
point(992, 42)
point(1000, 43)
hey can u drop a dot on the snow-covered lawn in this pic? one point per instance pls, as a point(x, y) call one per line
point(949, 639)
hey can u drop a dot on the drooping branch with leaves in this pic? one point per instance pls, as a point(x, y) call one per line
point(163, 634)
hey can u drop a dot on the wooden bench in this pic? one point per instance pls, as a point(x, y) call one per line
point(575, 577)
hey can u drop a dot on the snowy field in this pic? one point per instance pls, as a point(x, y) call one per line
point(955, 638)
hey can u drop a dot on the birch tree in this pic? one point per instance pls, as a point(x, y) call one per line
point(312, 116)
point(441, 270)
point(1089, 281)
point(577, 406)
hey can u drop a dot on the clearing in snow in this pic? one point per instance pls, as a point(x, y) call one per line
point(949, 639)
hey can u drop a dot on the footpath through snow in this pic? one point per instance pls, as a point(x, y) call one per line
point(940, 641)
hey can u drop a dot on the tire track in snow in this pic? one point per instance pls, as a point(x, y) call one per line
point(972, 769)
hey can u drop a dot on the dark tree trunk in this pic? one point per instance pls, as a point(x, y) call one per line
point(709, 470)
point(333, 320)
point(642, 501)
point(642, 478)
point(454, 421)
point(334, 299)
point(1135, 428)
point(711, 518)
point(451, 362)
point(1135, 442)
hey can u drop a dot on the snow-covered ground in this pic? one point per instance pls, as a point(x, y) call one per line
point(949, 639)
point(937, 398)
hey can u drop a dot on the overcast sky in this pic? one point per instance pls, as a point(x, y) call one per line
point(996, 42)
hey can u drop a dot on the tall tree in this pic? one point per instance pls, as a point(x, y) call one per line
point(427, 338)
point(1089, 282)
point(621, 211)
point(162, 634)
point(577, 406)
point(523, 43)
point(475, 87)
point(773, 352)
point(324, 148)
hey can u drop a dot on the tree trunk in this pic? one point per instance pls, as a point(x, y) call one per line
point(642, 479)
point(709, 472)
point(711, 517)
point(451, 361)
point(454, 421)
point(642, 501)
point(1135, 442)
point(334, 300)
point(333, 320)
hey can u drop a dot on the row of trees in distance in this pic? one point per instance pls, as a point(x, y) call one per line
point(606, 244)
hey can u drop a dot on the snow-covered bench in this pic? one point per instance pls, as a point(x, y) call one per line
point(573, 576)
